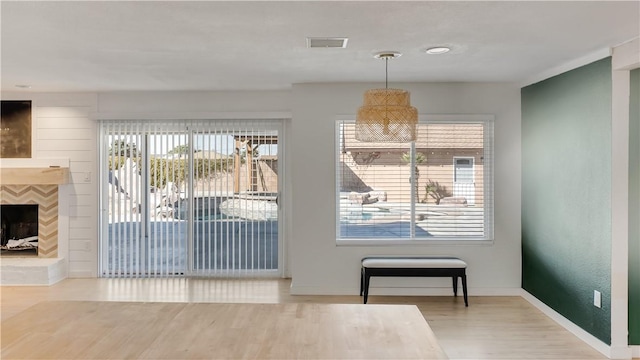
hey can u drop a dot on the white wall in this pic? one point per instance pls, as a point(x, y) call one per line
point(62, 129)
point(319, 266)
point(185, 104)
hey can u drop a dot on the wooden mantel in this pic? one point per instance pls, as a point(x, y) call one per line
point(34, 176)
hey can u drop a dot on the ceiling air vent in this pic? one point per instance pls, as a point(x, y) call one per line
point(333, 42)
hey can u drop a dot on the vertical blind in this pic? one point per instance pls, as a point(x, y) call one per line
point(190, 197)
point(437, 187)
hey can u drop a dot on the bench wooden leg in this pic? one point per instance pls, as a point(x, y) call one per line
point(455, 285)
point(361, 280)
point(464, 289)
point(366, 287)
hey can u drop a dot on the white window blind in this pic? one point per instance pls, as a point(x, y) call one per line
point(439, 187)
point(189, 198)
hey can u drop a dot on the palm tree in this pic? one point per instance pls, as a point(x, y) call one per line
point(420, 158)
point(120, 147)
point(179, 150)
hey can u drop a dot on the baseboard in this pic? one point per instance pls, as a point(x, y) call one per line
point(635, 351)
point(402, 291)
point(80, 274)
point(583, 335)
point(620, 352)
point(318, 290)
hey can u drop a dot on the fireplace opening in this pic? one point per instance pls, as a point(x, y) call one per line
point(19, 230)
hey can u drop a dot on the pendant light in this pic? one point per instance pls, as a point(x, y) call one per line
point(386, 114)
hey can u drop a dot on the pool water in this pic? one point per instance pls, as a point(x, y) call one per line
point(363, 216)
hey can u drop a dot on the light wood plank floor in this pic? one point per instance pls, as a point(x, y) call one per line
point(173, 331)
point(490, 328)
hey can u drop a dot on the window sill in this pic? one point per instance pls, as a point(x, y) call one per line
point(414, 242)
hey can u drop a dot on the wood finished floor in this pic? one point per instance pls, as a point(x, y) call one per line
point(490, 328)
point(207, 331)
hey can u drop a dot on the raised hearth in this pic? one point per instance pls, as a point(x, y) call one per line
point(32, 271)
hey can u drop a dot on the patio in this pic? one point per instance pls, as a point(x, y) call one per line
point(219, 246)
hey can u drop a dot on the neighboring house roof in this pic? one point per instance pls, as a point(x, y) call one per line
point(429, 136)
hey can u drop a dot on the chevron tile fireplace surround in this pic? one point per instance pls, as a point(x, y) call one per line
point(46, 197)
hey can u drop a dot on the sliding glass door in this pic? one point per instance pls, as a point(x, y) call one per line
point(190, 198)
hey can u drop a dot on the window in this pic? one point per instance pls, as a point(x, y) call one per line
point(190, 198)
point(439, 187)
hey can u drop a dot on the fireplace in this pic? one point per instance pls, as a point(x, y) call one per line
point(37, 187)
point(19, 230)
point(42, 198)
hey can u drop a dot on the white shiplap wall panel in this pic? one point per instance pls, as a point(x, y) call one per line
point(74, 155)
point(63, 134)
point(83, 166)
point(64, 129)
point(64, 112)
point(77, 210)
point(80, 234)
point(74, 199)
point(66, 144)
point(65, 123)
point(80, 176)
point(81, 256)
point(83, 221)
point(82, 245)
point(80, 189)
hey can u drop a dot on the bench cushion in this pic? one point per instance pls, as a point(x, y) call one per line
point(413, 262)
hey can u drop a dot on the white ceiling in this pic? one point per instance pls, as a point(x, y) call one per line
point(238, 45)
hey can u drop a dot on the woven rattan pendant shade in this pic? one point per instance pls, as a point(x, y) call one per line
point(386, 114)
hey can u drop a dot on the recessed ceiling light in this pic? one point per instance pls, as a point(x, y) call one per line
point(437, 50)
point(24, 86)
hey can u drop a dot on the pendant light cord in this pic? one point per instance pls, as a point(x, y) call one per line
point(386, 72)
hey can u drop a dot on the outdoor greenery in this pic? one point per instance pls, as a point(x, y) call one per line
point(254, 153)
point(115, 162)
point(164, 170)
point(175, 170)
point(420, 158)
point(436, 191)
point(120, 147)
point(180, 150)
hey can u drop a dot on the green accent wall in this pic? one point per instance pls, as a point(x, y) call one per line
point(634, 209)
point(566, 194)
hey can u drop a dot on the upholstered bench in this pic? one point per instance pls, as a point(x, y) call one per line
point(423, 266)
